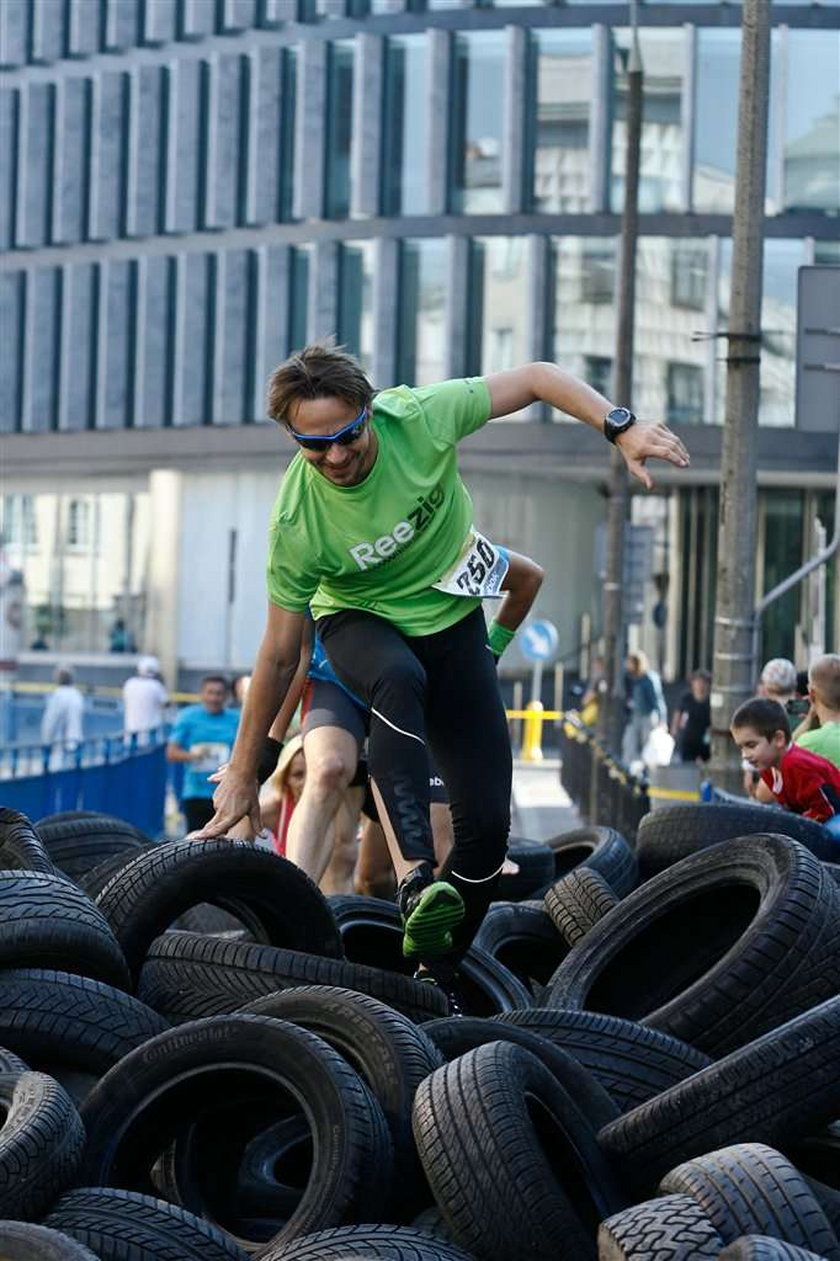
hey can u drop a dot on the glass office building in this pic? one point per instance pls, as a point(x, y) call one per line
point(190, 189)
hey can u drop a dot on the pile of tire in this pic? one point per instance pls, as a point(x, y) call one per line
point(202, 1057)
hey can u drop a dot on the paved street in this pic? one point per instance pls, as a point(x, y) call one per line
point(541, 807)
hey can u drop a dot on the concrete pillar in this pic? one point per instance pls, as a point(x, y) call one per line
point(600, 119)
point(366, 150)
point(165, 499)
point(437, 153)
point(539, 282)
point(515, 123)
point(457, 306)
point(310, 130)
point(386, 265)
point(323, 291)
point(687, 113)
point(271, 306)
point(712, 349)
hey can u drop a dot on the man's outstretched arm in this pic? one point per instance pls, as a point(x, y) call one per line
point(546, 383)
point(521, 587)
point(277, 661)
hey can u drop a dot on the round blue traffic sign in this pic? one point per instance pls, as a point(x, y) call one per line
point(538, 641)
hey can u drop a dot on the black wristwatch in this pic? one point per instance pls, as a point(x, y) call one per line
point(617, 421)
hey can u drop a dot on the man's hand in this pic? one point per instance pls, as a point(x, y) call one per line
point(236, 798)
point(642, 442)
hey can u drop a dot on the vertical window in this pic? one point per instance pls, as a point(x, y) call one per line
point(598, 373)
point(663, 56)
point(43, 292)
point(19, 529)
point(561, 127)
point(404, 132)
point(13, 301)
point(669, 378)
point(827, 253)
point(477, 115)
point(583, 333)
point(355, 301)
point(812, 122)
point(339, 128)
point(288, 96)
point(782, 260)
point(782, 514)
point(78, 524)
point(715, 120)
point(298, 296)
point(824, 514)
point(421, 346)
point(597, 271)
point(689, 277)
point(684, 383)
point(501, 275)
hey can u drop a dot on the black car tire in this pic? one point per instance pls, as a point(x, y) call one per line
point(632, 1063)
point(41, 1143)
point(46, 921)
point(669, 1228)
point(716, 950)
point(751, 1189)
point(139, 1107)
point(485, 1125)
point(127, 1226)
point(273, 898)
point(188, 975)
point(775, 1090)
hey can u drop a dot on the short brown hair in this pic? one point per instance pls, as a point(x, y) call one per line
point(321, 370)
point(214, 678)
point(763, 715)
point(824, 678)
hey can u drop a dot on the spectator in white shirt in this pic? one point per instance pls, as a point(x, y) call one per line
point(144, 699)
point(61, 723)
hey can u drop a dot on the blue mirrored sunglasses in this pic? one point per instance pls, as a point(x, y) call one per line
point(342, 437)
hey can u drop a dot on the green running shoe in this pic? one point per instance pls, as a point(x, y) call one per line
point(430, 910)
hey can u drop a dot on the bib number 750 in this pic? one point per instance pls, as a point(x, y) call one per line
point(479, 570)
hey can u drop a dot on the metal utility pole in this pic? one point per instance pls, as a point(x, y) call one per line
point(733, 680)
point(611, 714)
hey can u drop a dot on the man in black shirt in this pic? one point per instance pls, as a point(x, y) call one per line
point(690, 727)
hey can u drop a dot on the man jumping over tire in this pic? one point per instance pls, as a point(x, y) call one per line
point(372, 528)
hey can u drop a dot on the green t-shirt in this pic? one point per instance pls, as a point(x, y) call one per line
point(824, 740)
point(380, 545)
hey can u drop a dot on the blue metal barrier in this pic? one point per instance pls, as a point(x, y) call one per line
point(112, 774)
point(21, 714)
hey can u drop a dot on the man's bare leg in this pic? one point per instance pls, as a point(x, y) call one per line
point(331, 755)
point(442, 831)
point(375, 871)
point(338, 877)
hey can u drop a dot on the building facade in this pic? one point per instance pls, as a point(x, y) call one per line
point(190, 189)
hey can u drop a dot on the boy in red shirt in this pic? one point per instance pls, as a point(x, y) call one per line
point(791, 776)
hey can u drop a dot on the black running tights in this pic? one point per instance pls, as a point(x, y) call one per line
point(443, 688)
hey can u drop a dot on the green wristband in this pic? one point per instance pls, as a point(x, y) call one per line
point(498, 637)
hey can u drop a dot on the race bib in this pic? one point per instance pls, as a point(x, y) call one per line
point(211, 755)
point(479, 570)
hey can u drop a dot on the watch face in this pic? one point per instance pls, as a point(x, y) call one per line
point(617, 421)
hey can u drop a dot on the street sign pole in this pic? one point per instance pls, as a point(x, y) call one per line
point(733, 670)
point(536, 681)
point(538, 644)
